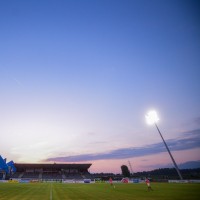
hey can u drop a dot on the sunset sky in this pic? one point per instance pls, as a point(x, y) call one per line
point(77, 78)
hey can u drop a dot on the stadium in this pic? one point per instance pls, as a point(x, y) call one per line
point(80, 80)
point(73, 181)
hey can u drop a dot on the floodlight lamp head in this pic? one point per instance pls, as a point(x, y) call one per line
point(151, 117)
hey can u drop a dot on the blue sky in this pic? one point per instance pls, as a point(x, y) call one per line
point(77, 78)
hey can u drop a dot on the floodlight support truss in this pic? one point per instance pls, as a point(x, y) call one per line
point(176, 167)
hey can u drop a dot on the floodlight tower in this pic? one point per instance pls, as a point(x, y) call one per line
point(130, 167)
point(152, 118)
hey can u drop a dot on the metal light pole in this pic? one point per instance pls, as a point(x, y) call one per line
point(152, 118)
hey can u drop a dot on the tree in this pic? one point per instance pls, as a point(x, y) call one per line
point(125, 171)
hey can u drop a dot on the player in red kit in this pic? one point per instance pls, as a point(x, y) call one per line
point(111, 182)
point(147, 181)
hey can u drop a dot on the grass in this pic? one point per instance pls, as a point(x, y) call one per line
point(59, 191)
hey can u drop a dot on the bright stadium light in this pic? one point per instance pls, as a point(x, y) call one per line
point(152, 118)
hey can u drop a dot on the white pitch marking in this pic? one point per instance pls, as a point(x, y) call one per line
point(51, 196)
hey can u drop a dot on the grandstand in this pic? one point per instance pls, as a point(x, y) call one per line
point(54, 171)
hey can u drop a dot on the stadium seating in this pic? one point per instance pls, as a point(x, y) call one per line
point(30, 175)
point(54, 171)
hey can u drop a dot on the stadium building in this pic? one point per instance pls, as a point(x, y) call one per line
point(54, 171)
point(51, 171)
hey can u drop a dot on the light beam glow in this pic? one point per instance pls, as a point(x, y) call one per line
point(151, 117)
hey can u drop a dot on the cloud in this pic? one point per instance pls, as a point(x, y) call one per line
point(189, 140)
point(185, 165)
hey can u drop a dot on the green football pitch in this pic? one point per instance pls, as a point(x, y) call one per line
point(101, 191)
